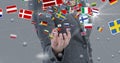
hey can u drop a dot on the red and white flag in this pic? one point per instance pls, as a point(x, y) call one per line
point(26, 14)
point(1, 12)
point(88, 26)
point(11, 9)
point(47, 3)
point(13, 36)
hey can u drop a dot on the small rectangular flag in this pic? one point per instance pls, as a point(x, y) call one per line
point(95, 11)
point(83, 19)
point(88, 26)
point(103, 0)
point(26, 0)
point(93, 4)
point(66, 25)
point(33, 22)
point(43, 23)
point(114, 26)
point(11, 9)
point(1, 12)
point(60, 16)
point(47, 3)
point(26, 14)
point(13, 36)
point(77, 7)
point(86, 10)
point(64, 11)
point(83, 33)
point(113, 2)
point(100, 29)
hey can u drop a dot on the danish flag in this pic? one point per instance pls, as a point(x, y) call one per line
point(26, 14)
point(47, 3)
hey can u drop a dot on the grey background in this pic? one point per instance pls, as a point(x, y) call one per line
point(106, 47)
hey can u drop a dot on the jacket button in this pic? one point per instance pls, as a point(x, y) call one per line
point(81, 55)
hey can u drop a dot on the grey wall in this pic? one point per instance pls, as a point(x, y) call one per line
point(106, 47)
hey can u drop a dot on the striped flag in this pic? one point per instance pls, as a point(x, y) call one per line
point(1, 12)
point(83, 33)
point(11, 9)
point(95, 11)
point(14, 36)
point(86, 10)
point(103, 0)
point(43, 23)
point(26, 14)
point(47, 3)
point(88, 26)
point(100, 29)
point(26, 0)
point(113, 2)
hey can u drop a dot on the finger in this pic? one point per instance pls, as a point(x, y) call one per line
point(66, 40)
point(68, 33)
point(54, 34)
point(61, 41)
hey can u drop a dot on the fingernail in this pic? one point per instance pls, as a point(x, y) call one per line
point(64, 33)
point(68, 29)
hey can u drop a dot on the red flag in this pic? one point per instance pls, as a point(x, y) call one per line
point(47, 3)
point(26, 14)
point(64, 11)
point(11, 9)
point(103, 0)
point(113, 2)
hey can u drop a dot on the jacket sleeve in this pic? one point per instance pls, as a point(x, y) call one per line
point(41, 33)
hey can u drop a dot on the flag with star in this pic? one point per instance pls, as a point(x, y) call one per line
point(114, 26)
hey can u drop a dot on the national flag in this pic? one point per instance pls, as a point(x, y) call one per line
point(1, 12)
point(64, 11)
point(40, 14)
point(77, 7)
point(88, 25)
point(83, 19)
point(33, 22)
point(46, 31)
point(11, 9)
point(103, 0)
point(100, 29)
point(43, 23)
point(93, 4)
point(60, 16)
point(113, 2)
point(13, 36)
point(83, 33)
point(95, 11)
point(86, 10)
point(53, 18)
point(114, 26)
point(66, 25)
point(26, 0)
point(26, 14)
point(47, 3)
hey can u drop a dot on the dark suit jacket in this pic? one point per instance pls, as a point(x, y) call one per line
point(78, 51)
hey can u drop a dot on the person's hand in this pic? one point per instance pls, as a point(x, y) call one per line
point(60, 41)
